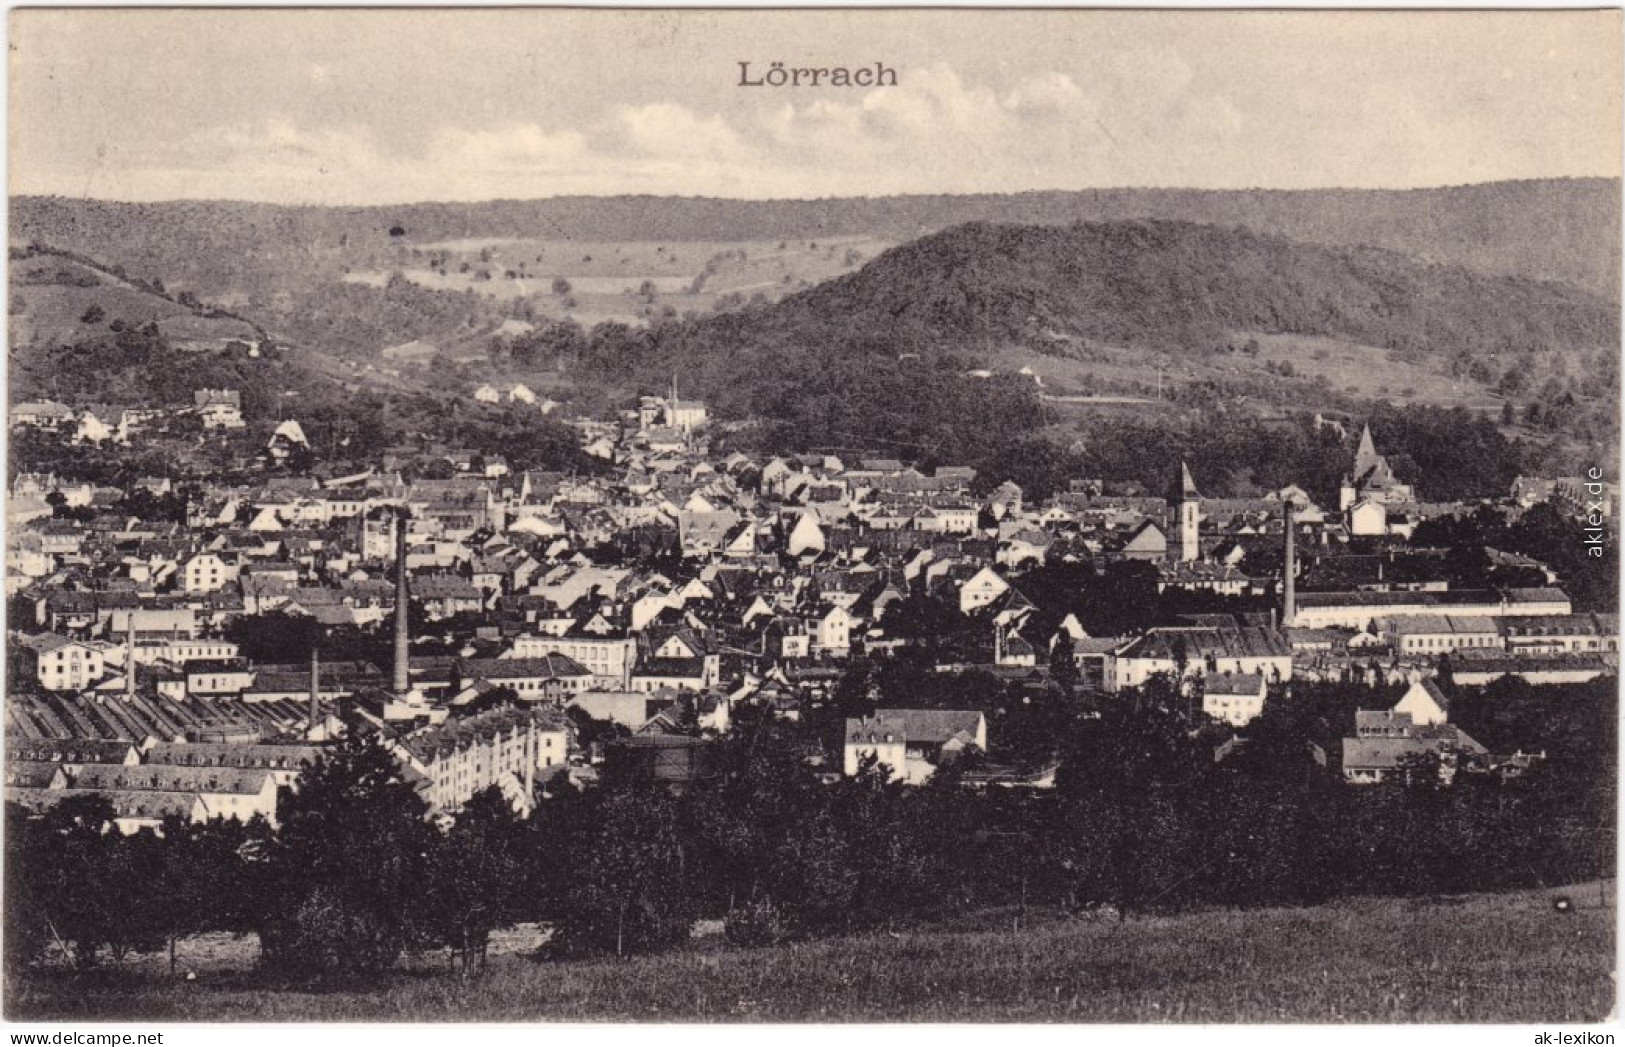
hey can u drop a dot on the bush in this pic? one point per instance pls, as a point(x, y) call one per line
point(757, 923)
point(328, 936)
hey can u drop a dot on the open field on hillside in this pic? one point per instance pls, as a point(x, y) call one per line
point(1366, 371)
point(52, 297)
point(1482, 958)
point(606, 277)
point(1361, 371)
point(55, 314)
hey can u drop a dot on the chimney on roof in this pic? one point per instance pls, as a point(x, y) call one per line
point(402, 681)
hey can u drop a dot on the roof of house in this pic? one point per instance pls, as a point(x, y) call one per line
point(150, 804)
point(914, 725)
point(1168, 643)
point(70, 750)
point(244, 757)
point(1458, 624)
point(548, 665)
point(1387, 753)
point(171, 778)
point(1241, 684)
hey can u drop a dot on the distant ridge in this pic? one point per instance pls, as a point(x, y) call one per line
point(1158, 284)
point(1565, 230)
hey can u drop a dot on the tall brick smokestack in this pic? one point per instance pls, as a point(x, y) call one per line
point(315, 688)
point(1289, 582)
point(402, 681)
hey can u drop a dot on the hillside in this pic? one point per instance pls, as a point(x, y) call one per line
point(1480, 958)
point(1174, 284)
point(1169, 286)
point(56, 299)
point(1564, 230)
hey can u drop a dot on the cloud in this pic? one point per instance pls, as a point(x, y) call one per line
point(516, 147)
point(1050, 95)
point(935, 132)
point(1142, 118)
point(666, 131)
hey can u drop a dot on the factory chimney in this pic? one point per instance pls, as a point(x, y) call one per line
point(532, 754)
point(402, 682)
point(315, 690)
point(129, 662)
point(1289, 583)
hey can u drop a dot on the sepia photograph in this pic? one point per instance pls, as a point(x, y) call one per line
point(804, 516)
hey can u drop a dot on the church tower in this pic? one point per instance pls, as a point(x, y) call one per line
point(1190, 546)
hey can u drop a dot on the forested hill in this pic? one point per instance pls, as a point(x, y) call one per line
point(1165, 285)
point(1562, 229)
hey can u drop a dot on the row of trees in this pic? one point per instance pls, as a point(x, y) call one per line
point(1142, 818)
point(1542, 533)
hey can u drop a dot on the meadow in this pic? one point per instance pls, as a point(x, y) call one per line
point(1511, 957)
point(1350, 369)
point(606, 277)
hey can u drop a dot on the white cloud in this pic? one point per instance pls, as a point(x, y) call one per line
point(666, 131)
point(935, 132)
point(1138, 119)
point(519, 147)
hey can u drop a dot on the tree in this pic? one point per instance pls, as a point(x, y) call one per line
point(199, 879)
point(26, 905)
point(91, 880)
point(94, 315)
point(561, 286)
point(1063, 665)
point(275, 636)
point(478, 874)
point(630, 893)
point(350, 870)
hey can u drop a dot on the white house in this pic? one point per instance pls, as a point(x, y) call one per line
point(219, 408)
point(833, 631)
point(913, 743)
point(806, 536)
point(1425, 704)
point(207, 573)
point(1368, 518)
point(1237, 699)
point(981, 589)
point(62, 664)
point(684, 415)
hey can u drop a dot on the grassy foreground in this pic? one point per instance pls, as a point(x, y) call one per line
point(1483, 958)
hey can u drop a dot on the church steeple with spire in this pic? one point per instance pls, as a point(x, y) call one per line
point(1372, 479)
point(1188, 498)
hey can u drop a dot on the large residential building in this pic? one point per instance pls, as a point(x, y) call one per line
point(506, 748)
point(912, 743)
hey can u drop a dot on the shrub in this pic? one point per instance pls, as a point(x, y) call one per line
point(331, 936)
point(757, 923)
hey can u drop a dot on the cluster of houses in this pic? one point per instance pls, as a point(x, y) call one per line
point(678, 584)
point(113, 425)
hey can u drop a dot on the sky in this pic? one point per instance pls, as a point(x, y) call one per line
point(356, 107)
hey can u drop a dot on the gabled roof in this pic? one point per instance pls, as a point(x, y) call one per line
point(1387, 753)
point(932, 726)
